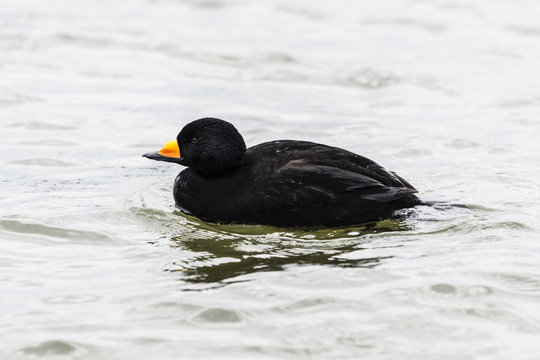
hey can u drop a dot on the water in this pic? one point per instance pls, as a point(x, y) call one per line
point(95, 263)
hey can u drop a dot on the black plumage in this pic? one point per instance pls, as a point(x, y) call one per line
point(283, 182)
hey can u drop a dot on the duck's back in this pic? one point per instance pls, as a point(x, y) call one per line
point(296, 183)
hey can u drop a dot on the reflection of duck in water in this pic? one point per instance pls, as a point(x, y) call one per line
point(219, 252)
point(283, 182)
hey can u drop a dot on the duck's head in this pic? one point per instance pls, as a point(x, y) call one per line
point(209, 146)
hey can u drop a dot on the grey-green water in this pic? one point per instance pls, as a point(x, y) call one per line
point(95, 263)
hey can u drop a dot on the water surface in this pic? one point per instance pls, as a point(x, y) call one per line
point(95, 263)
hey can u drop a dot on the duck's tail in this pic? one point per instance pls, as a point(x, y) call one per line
point(443, 205)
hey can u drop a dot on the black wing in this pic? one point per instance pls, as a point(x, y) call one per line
point(301, 192)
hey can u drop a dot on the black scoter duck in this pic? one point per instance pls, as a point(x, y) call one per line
point(282, 182)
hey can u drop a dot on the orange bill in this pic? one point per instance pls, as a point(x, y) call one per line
point(170, 149)
point(170, 153)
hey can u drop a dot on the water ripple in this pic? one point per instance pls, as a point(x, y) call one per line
point(42, 162)
point(51, 347)
point(57, 234)
point(10, 98)
point(217, 316)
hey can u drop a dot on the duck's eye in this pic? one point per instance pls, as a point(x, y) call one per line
point(194, 140)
